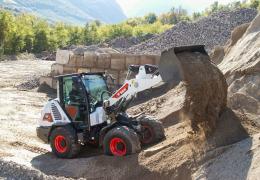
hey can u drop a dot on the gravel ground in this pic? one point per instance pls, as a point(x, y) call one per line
point(11, 170)
point(210, 31)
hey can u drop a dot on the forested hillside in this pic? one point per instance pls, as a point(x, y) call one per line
point(28, 33)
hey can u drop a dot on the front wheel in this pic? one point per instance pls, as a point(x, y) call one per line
point(152, 130)
point(121, 141)
point(64, 143)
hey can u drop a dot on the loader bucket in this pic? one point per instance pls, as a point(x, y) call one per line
point(170, 67)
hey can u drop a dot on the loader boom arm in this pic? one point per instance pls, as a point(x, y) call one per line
point(141, 82)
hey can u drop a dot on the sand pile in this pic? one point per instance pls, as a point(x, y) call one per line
point(195, 116)
point(241, 67)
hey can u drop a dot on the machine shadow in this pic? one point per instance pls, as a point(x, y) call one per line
point(92, 164)
point(233, 155)
point(50, 92)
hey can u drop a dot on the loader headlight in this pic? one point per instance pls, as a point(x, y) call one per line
point(47, 117)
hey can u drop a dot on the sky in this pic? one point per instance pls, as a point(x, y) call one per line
point(133, 8)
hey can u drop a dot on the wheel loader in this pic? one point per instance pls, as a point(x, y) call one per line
point(85, 112)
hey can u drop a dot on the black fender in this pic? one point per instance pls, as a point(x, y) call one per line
point(104, 130)
point(56, 125)
point(121, 121)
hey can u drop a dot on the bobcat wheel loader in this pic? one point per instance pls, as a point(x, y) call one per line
point(85, 112)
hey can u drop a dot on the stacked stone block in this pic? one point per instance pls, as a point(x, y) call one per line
point(115, 64)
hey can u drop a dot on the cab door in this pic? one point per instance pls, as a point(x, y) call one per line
point(75, 101)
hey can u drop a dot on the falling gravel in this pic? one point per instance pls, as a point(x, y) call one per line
point(209, 31)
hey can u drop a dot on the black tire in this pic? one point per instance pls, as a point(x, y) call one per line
point(128, 142)
point(152, 130)
point(64, 142)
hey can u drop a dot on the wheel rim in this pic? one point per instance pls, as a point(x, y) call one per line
point(147, 134)
point(60, 144)
point(118, 147)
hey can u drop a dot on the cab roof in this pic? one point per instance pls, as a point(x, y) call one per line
point(80, 74)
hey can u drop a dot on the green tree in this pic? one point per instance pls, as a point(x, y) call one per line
point(28, 40)
point(90, 35)
point(41, 41)
point(75, 36)
point(196, 15)
point(254, 4)
point(7, 25)
point(150, 18)
point(97, 22)
point(214, 7)
point(235, 5)
point(119, 30)
point(163, 18)
point(61, 33)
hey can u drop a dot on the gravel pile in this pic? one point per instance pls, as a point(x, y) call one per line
point(29, 84)
point(11, 170)
point(210, 31)
point(122, 42)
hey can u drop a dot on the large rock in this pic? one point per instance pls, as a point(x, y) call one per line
point(241, 67)
point(63, 56)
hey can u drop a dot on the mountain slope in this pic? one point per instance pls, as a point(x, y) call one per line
point(70, 11)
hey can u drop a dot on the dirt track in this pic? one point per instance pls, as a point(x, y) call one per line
point(19, 110)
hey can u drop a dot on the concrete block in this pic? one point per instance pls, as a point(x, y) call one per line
point(56, 69)
point(147, 59)
point(79, 60)
point(73, 60)
point(97, 70)
point(118, 55)
point(114, 74)
point(63, 56)
point(122, 77)
point(132, 60)
point(67, 69)
point(48, 80)
point(90, 60)
point(118, 61)
point(83, 70)
point(104, 61)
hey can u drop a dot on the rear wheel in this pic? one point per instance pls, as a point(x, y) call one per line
point(121, 141)
point(64, 143)
point(152, 130)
